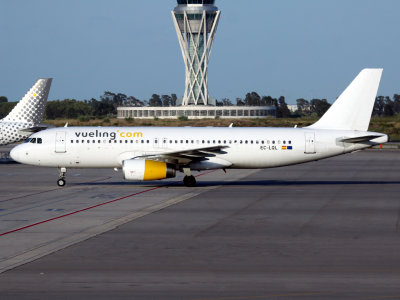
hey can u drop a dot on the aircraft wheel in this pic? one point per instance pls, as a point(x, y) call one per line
point(61, 182)
point(189, 181)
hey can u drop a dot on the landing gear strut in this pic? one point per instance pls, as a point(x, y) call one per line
point(61, 180)
point(189, 181)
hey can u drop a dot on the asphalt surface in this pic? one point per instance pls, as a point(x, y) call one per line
point(322, 230)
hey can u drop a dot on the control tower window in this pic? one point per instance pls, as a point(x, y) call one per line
point(196, 2)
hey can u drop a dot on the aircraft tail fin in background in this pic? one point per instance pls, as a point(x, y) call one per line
point(353, 109)
point(31, 107)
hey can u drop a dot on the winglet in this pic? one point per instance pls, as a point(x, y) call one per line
point(353, 109)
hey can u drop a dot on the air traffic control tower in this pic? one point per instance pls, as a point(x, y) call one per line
point(196, 23)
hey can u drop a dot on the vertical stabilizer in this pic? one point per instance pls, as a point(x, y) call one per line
point(353, 109)
point(31, 107)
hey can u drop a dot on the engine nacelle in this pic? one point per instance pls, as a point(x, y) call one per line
point(145, 170)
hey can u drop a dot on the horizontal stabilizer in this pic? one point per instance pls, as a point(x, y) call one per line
point(361, 139)
point(36, 128)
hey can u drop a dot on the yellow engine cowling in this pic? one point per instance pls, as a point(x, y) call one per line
point(145, 170)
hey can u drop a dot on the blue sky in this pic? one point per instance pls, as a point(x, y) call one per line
point(307, 48)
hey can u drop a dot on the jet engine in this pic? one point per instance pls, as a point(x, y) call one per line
point(145, 170)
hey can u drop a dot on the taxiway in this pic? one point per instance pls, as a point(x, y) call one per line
point(323, 230)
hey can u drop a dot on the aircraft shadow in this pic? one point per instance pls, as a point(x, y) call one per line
point(297, 183)
point(244, 183)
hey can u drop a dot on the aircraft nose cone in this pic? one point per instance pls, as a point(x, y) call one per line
point(16, 154)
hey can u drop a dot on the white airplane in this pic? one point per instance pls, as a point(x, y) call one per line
point(26, 116)
point(150, 153)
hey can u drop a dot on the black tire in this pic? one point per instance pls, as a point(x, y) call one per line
point(189, 181)
point(61, 182)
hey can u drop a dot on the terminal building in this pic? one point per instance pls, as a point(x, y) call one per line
point(196, 23)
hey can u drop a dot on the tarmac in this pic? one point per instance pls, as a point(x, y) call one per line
point(323, 230)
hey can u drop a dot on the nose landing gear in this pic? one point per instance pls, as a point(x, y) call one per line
point(61, 181)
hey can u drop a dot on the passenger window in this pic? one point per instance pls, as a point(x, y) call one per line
point(126, 141)
point(88, 141)
point(290, 142)
point(284, 142)
point(142, 141)
point(273, 142)
point(251, 141)
point(224, 142)
point(246, 142)
point(72, 141)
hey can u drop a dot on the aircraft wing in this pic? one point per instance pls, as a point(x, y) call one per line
point(186, 156)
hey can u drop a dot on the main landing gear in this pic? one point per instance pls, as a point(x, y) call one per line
point(61, 181)
point(189, 180)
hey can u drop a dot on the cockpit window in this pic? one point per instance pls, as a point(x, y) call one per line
point(33, 141)
point(27, 140)
point(39, 140)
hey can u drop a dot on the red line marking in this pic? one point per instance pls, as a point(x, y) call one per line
point(78, 211)
point(90, 207)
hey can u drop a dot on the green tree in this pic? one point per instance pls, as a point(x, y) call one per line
point(3, 99)
point(303, 106)
point(283, 110)
point(319, 107)
point(239, 102)
point(155, 100)
point(174, 98)
point(226, 102)
point(166, 100)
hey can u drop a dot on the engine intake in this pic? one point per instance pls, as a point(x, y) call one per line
point(145, 170)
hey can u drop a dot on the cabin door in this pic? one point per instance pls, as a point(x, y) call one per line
point(61, 142)
point(310, 143)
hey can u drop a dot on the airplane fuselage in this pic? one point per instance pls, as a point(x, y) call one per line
point(108, 147)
